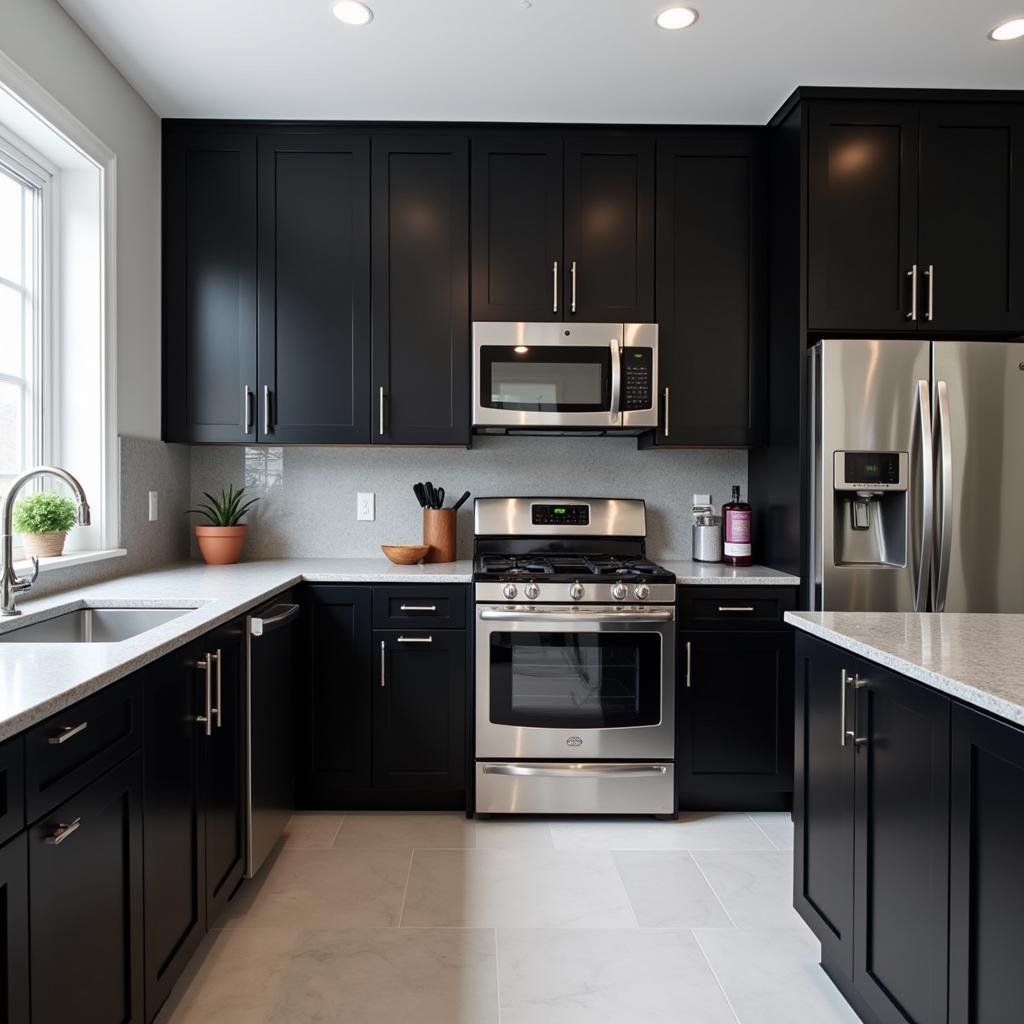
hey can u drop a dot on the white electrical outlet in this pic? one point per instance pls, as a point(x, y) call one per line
point(153, 509)
point(364, 506)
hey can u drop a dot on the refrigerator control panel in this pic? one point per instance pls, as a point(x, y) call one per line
point(871, 471)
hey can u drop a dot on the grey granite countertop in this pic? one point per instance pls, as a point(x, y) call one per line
point(38, 680)
point(719, 574)
point(975, 658)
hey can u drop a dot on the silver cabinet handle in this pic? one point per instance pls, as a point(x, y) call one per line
point(924, 408)
point(247, 409)
point(842, 709)
point(572, 274)
point(736, 608)
point(383, 657)
point(63, 831)
point(858, 684)
point(689, 663)
point(553, 771)
point(912, 274)
point(415, 639)
point(266, 408)
point(206, 719)
point(666, 412)
point(218, 710)
point(417, 608)
point(554, 287)
point(380, 404)
point(67, 732)
point(946, 483)
point(930, 274)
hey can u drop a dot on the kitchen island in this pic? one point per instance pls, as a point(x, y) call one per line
point(909, 810)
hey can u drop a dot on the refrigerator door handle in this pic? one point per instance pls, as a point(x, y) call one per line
point(924, 411)
point(945, 483)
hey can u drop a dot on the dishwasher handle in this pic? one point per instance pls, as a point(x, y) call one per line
point(276, 616)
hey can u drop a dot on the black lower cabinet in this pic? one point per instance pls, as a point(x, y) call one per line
point(85, 892)
point(735, 720)
point(986, 984)
point(14, 931)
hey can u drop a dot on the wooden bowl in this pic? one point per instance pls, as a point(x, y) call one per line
point(405, 554)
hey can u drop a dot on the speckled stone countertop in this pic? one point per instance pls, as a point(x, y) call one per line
point(975, 658)
point(718, 574)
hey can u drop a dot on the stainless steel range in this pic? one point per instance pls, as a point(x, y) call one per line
point(575, 659)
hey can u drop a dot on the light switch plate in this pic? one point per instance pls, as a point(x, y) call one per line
point(153, 507)
point(365, 511)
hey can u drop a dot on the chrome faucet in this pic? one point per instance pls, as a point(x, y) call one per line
point(10, 583)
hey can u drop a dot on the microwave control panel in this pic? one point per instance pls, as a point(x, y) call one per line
point(637, 374)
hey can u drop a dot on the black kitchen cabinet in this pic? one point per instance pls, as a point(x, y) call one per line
point(209, 290)
point(986, 985)
point(12, 788)
point(14, 965)
point(85, 893)
point(735, 720)
point(609, 230)
point(314, 289)
point(711, 291)
point(419, 709)
point(518, 269)
point(420, 259)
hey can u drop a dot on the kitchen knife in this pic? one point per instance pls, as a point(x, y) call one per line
point(421, 495)
point(459, 503)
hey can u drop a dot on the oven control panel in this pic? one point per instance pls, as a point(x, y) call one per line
point(561, 515)
point(637, 393)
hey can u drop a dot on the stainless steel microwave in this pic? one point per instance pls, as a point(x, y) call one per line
point(559, 377)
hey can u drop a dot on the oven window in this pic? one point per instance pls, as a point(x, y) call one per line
point(575, 680)
point(546, 379)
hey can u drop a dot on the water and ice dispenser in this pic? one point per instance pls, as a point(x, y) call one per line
point(870, 508)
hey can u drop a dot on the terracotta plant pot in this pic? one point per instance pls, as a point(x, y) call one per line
point(221, 545)
point(44, 545)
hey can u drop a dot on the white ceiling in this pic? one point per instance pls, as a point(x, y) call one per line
point(557, 60)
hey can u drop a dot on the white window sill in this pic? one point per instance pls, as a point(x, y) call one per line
point(72, 558)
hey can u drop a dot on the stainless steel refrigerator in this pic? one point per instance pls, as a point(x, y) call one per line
point(917, 475)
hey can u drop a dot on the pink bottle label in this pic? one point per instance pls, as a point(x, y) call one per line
point(737, 533)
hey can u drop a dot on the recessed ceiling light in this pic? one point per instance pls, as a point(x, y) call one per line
point(1012, 29)
point(352, 12)
point(676, 17)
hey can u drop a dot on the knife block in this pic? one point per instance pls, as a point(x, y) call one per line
point(439, 533)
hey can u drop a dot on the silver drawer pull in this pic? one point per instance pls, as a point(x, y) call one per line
point(735, 608)
point(67, 732)
point(415, 639)
point(63, 831)
point(417, 608)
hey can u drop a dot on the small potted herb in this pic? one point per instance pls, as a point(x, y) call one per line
point(43, 520)
point(221, 542)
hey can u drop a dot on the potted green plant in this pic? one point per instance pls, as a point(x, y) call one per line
point(43, 520)
point(221, 542)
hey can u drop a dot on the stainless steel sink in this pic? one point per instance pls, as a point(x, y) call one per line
point(92, 626)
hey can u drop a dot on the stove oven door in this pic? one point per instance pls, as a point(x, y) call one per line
point(579, 683)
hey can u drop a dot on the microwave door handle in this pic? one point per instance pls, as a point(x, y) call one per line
point(616, 379)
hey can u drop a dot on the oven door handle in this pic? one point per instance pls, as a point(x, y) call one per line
point(558, 771)
point(557, 615)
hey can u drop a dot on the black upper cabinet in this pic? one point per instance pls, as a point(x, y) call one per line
point(862, 216)
point(209, 275)
point(517, 229)
point(710, 291)
point(14, 967)
point(609, 230)
point(971, 208)
point(314, 289)
point(420, 228)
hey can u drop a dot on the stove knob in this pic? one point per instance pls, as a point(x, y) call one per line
point(619, 591)
point(576, 591)
point(532, 591)
point(641, 591)
point(510, 591)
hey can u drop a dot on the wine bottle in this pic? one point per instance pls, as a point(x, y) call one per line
point(737, 515)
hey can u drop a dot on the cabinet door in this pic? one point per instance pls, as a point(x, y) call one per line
point(710, 307)
point(333, 706)
point(901, 860)
point(314, 325)
point(175, 891)
point(861, 216)
point(609, 231)
point(735, 718)
point(986, 886)
point(14, 931)
point(823, 801)
point(419, 709)
point(221, 773)
point(517, 229)
point(420, 374)
point(85, 895)
point(971, 232)
point(209, 295)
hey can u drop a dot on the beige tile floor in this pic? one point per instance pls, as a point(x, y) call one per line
point(432, 919)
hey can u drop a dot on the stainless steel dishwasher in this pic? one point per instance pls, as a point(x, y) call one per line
point(270, 772)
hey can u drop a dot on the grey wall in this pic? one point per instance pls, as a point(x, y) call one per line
point(308, 504)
